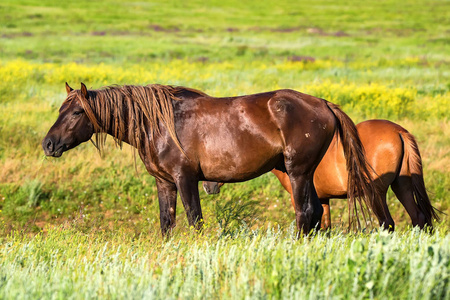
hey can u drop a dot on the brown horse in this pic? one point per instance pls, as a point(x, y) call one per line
point(394, 155)
point(184, 136)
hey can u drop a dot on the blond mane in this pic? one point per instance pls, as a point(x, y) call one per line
point(131, 110)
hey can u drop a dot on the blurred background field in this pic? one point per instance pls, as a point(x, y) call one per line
point(81, 222)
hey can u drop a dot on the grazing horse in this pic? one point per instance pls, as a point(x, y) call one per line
point(184, 136)
point(394, 155)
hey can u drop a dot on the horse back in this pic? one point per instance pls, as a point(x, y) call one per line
point(228, 139)
point(239, 138)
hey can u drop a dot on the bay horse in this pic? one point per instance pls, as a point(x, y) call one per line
point(184, 136)
point(394, 155)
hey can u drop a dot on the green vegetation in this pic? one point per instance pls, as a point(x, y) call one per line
point(88, 226)
point(260, 264)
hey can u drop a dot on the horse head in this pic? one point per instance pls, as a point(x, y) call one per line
point(72, 127)
point(212, 187)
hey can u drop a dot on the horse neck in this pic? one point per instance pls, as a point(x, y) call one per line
point(133, 120)
point(120, 137)
point(115, 121)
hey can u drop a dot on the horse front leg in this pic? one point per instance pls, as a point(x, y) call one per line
point(167, 196)
point(308, 210)
point(188, 189)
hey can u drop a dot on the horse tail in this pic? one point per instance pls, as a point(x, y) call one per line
point(413, 161)
point(360, 189)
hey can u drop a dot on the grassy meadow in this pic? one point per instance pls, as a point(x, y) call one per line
point(87, 226)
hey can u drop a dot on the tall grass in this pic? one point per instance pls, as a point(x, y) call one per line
point(248, 264)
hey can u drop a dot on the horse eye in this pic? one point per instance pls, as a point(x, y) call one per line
point(76, 113)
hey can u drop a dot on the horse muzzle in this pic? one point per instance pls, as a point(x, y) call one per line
point(51, 148)
point(211, 187)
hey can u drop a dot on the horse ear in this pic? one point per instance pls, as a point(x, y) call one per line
point(84, 91)
point(68, 88)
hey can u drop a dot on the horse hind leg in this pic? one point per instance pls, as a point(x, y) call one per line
point(300, 168)
point(409, 185)
point(326, 216)
point(403, 189)
point(383, 214)
point(308, 211)
point(306, 135)
point(381, 209)
point(285, 182)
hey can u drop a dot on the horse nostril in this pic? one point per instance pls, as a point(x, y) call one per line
point(49, 145)
point(216, 189)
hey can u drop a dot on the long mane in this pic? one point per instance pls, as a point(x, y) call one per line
point(133, 112)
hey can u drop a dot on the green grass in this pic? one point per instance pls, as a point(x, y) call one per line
point(86, 226)
point(121, 32)
point(267, 263)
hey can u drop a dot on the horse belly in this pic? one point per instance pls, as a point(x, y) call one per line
point(238, 159)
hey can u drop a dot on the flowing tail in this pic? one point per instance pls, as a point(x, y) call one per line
point(413, 160)
point(360, 188)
